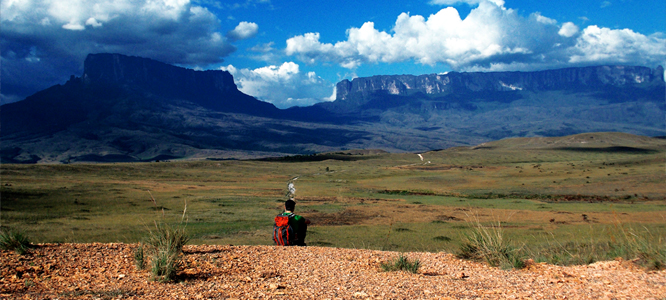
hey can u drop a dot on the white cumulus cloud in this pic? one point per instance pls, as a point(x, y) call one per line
point(491, 37)
point(244, 30)
point(284, 85)
point(469, 2)
point(604, 45)
point(568, 29)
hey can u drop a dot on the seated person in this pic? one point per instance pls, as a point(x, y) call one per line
point(296, 222)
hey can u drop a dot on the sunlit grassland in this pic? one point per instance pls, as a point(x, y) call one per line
point(540, 196)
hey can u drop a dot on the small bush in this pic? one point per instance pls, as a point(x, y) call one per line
point(14, 241)
point(402, 263)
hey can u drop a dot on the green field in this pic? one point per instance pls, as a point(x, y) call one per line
point(581, 190)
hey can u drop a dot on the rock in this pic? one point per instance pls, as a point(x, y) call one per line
point(529, 263)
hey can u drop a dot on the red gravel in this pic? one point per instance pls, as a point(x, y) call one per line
point(107, 271)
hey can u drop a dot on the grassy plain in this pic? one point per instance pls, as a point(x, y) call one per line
point(579, 190)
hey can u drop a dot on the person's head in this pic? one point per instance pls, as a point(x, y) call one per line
point(289, 205)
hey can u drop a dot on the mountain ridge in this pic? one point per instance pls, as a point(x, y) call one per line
point(360, 90)
point(125, 108)
point(213, 89)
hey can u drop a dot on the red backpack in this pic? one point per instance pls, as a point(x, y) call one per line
point(283, 233)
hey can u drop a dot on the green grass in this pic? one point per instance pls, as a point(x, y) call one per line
point(140, 257)
point(14, 240)
point(490, 244)
point(640, 244)
point(164, 247)
point(234, 202)
point(401, 263)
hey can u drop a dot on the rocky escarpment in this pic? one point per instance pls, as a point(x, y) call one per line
point(359, 90)
point(212, 88)
point(108, 68)
point(115, 83)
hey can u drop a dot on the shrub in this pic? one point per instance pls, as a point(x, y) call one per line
point(402, 263)
point(15, 241)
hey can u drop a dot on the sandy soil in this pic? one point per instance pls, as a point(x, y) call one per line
point(107, 271)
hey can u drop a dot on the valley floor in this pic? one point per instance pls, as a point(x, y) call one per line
point(107, 271)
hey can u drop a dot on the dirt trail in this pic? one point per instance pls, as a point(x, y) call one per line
point(107, 271)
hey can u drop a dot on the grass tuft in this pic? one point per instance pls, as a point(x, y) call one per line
point(648, 249)
point(165, 249)
point(164, 265)
point(487, 243)
point(14, 240)
point(140, 257)
point(642, 247)
point(402, 263)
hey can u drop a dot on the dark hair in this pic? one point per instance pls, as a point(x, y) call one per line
point(290, 205)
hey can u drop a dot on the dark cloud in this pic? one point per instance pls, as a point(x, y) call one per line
point(42, 45)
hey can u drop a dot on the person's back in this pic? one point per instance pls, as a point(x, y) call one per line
point(298, 223)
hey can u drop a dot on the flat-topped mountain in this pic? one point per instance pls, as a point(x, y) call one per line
point(640, 82)
point(214, 89)
point(125, 108)
point(112, 82)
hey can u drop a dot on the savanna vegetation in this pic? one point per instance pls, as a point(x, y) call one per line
point(568, 200)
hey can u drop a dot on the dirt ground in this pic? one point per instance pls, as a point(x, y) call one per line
point(107, 271)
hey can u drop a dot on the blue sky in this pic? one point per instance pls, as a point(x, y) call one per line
point(293, 52)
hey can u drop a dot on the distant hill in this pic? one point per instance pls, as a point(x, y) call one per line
point(584, 142)
point(127, 108)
